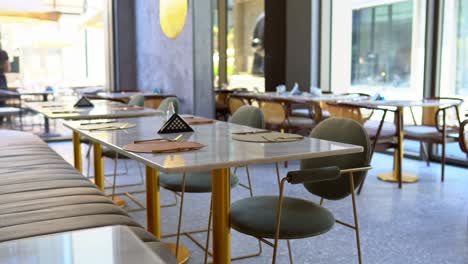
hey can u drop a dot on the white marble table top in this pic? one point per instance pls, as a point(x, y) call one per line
point(101, 109)
point(221, 150)
point(409, 103)
point(106, 245)
point(306, 97)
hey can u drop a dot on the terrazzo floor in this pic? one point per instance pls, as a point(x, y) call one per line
point(425, 222)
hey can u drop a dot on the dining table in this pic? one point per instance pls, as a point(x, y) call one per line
point(315, 103)
point(44, 95)
point(220, 151)
point(102, 109)
point(152, 100)
point(398, 106)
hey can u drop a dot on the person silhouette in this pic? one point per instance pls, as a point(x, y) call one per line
point(258, 38)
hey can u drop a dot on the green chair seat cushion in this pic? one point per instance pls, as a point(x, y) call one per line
point(195, 182)
point(256, 216)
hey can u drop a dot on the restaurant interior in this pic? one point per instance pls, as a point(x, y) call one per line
point(233, 131)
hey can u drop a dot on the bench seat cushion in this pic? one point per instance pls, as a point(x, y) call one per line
point(42, 194)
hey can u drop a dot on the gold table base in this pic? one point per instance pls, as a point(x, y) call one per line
point(390, 177)
point(184, 253)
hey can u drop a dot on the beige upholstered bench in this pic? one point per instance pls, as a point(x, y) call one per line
point(41, 194)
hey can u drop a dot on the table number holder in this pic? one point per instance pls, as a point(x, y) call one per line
point(175, 124)
point(83, 102)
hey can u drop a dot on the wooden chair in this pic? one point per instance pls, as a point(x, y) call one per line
point(222, 103)
point(440, 125)
point(236, 102)
point(276, 113)
point(463, 137)
point(381, 133)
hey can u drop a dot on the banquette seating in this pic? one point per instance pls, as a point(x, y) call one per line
point(40, 194)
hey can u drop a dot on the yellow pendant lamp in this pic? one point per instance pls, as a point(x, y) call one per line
point(172, 16)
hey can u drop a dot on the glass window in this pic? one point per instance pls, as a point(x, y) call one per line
point(454, 70)
point(454, 61)
point(381, 45)
point(64, 53)
point(377, 46)
point(245, 50)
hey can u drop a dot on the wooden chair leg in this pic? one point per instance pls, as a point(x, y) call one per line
point(425, 154)
point(442, 163)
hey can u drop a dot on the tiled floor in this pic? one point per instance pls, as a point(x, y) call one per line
point(425, 222)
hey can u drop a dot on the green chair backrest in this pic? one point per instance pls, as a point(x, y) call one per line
point(250, 116)
point(137, 100)
point(166, 102)
point(342, 130)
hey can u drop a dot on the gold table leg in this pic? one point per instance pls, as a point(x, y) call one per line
point(221, 222)
point(153, 212)
point(98, 166)
point(99, 178)
point(398, 156)
point(77, 152)
point(153, 203)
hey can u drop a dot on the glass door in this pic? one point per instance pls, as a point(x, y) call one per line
point(454, 61)
point(378, 47)
point(244, 54)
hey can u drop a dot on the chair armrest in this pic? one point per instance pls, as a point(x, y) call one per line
point(352, 170)
point(314, 175)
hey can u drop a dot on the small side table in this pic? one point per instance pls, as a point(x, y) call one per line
point(105, 245)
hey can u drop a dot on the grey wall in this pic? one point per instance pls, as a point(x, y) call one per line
point(124, 45)
point(162, 62)
point(181, 66)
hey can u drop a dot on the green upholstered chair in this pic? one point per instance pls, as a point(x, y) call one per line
point(137, 100)
point(166, 102)
point(333, 178)
point(200, 182)
point(248, 116)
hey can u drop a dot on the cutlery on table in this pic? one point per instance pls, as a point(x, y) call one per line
point(174, 150)
point(109, 127)
point(159, 139)
point(269, 139)
point(98, 123)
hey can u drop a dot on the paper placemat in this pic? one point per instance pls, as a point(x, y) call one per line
point(104, 127)
point(163, 147)
point(198, 121)
point(269, 137)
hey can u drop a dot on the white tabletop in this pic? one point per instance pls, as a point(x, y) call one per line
point(409, 103)
point(101, 109)
point(105, 245)
point(306, 97)
point(221, 150)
